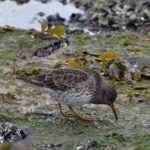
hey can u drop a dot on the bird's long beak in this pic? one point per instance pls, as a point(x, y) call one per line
point(114, 110)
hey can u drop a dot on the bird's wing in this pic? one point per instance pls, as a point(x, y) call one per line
point(35, 79)
point(64, 79)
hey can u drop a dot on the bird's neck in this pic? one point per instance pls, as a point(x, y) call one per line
point(98, 96)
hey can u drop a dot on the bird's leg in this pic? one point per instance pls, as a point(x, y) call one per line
point(78, 115)
point(61, 111)
point(114, 111)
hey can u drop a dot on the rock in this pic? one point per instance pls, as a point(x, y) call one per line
point(133, 17)
point(11, 133)
point(113, 15)
point(87, 145)
point(75, 17)
point(41, 14)
point(55, 20)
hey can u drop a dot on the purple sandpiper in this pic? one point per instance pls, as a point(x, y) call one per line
point(74, 86)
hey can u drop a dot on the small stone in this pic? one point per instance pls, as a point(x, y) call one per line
point(133, 17)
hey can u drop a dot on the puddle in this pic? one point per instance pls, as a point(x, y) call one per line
point(26, 16)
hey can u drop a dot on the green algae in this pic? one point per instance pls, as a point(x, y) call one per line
point(8, 55)
point(23, 42)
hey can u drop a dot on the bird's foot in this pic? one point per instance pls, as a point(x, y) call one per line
point(78, 115)
point(75, 114)
point(63, 113)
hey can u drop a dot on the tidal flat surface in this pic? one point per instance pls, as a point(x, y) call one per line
point(24, 104)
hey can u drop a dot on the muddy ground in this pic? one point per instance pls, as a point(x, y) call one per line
point(28, 106)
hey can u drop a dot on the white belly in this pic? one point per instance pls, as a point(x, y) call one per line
point(71, 97)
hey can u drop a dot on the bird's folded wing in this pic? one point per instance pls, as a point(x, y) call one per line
point(35, 79)
point(65, 79)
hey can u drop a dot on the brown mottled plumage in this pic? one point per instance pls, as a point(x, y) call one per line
point(76, 86)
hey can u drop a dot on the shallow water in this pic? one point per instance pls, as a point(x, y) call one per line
point(26, 16)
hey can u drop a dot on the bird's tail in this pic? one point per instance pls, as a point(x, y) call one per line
point(36, 79)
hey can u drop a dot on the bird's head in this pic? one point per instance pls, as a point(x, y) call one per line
point(108, 96)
